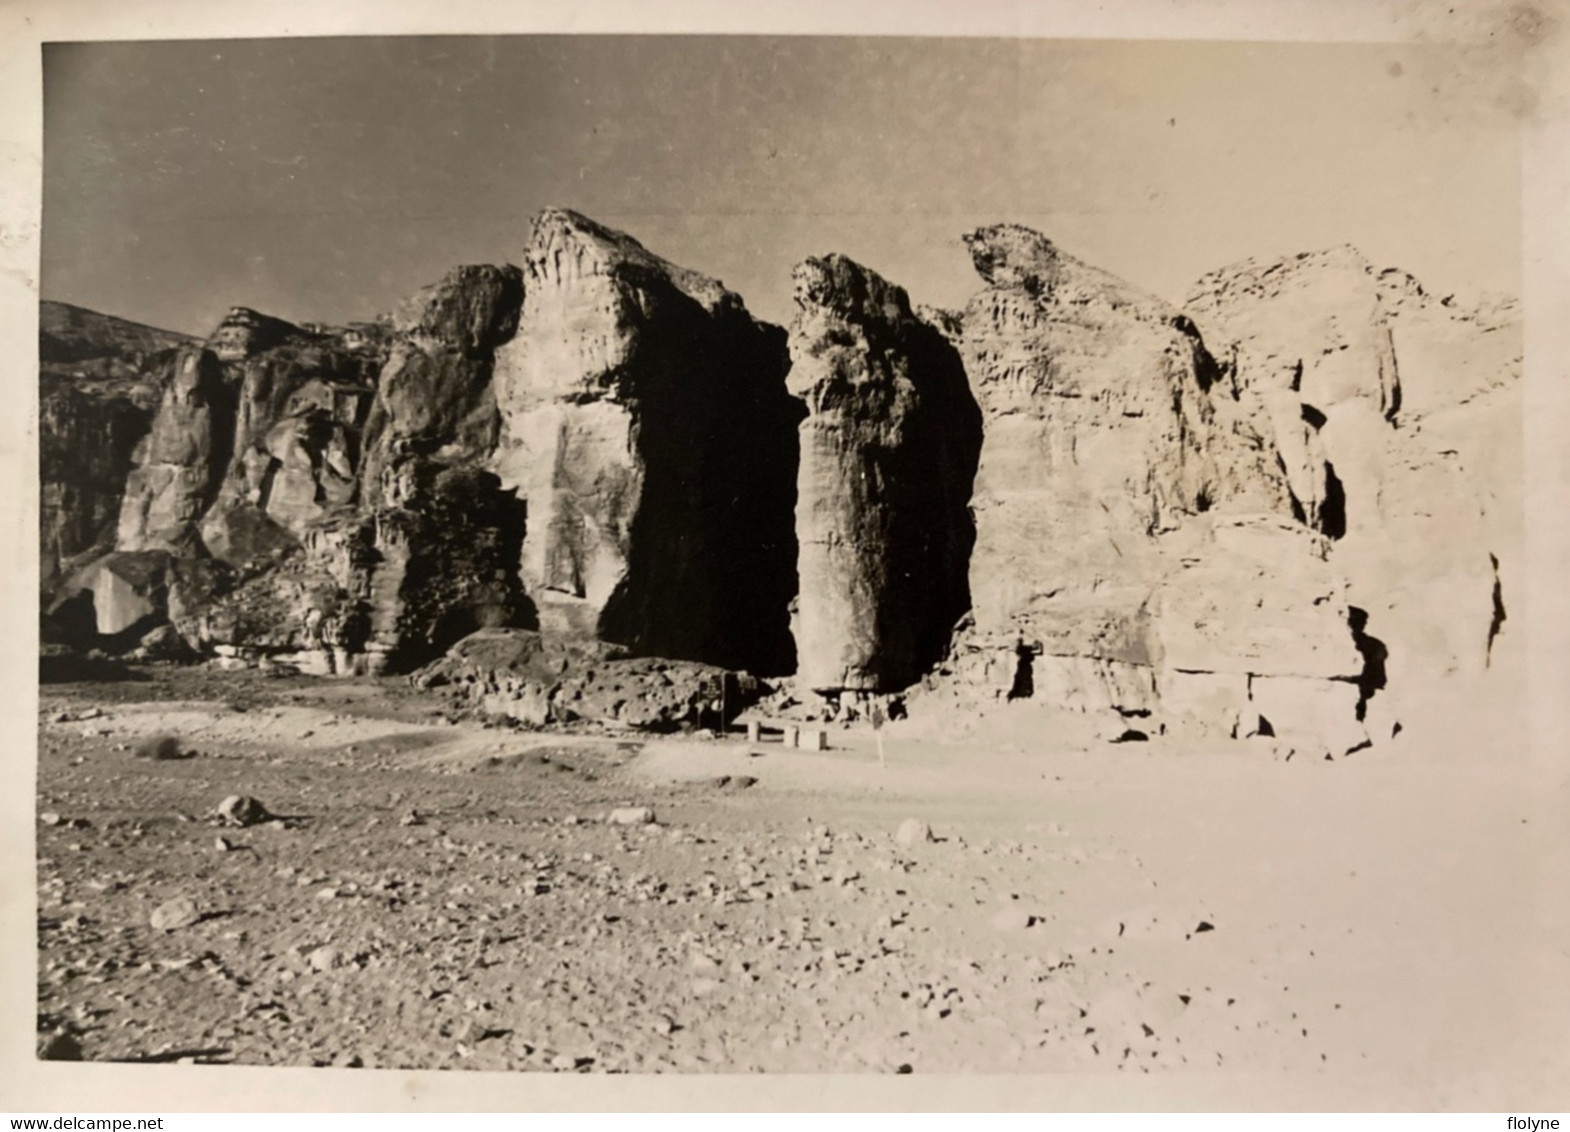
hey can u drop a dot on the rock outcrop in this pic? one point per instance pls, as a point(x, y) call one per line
point(317, 488)
point(1281, 512)
point(1108, 427)
point(888, 455)
point(1407, 407)
point(434, 396)
point(100, 379)
point(257, 437)
point(538, 679)
point(646, 425)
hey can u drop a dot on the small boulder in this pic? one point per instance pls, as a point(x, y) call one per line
point(242, 810)
point(171, 915)
point(913, 831)
point(631, 815)
point(324, 959)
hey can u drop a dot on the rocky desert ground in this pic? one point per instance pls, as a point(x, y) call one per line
point(428, 888)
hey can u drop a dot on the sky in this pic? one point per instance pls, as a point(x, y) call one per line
point(324, 179)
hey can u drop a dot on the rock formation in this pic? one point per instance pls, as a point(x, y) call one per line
point(1109, 429)
point(647, 427)
point(434, 396)
point(314, 493)
point(1281, 512)
point(255, 439)
point(536, 679)
point(888, 454)
point(1406, 406)
point(99, 381)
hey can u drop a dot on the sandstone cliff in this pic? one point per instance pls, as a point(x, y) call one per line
point(99, 381)
point(646, 425)
point(1287, 511)
point(888, 455)
point(1112, 443)
point(1406, 407)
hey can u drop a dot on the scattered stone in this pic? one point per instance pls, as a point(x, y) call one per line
point(242, 810)
point(913, 831)
point(222, 844)
point(49, 817)
point(181, 912)
point(631, 815)
point(324, 959)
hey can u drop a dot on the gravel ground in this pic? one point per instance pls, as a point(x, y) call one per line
point(426, 891)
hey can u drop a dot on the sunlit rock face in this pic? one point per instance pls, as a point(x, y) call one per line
point(646, 425)
point(1407, 406)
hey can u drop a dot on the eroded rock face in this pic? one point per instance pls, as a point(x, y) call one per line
point(100, 379)
point(1255, 635)
point(302, 396)
point(256, 438)
point(647, 427)
point(1408, 406)
point(888, 455)
point(253, 477)
point(1276, 529)
point(434, 396)
point(1107, 424)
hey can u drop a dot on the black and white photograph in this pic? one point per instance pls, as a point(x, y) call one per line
point(696, 554)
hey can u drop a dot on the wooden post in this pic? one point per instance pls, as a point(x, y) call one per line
point(754, 731)
point(793, 736)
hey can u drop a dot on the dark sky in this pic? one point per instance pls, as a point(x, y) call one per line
point(323, 179)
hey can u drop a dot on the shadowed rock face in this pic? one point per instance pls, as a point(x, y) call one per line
point(256, 438)
point(434, 395)
point(260, 456)
point(888, 454)
point(647, 427)
point(100, 380)
point(180, 464)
